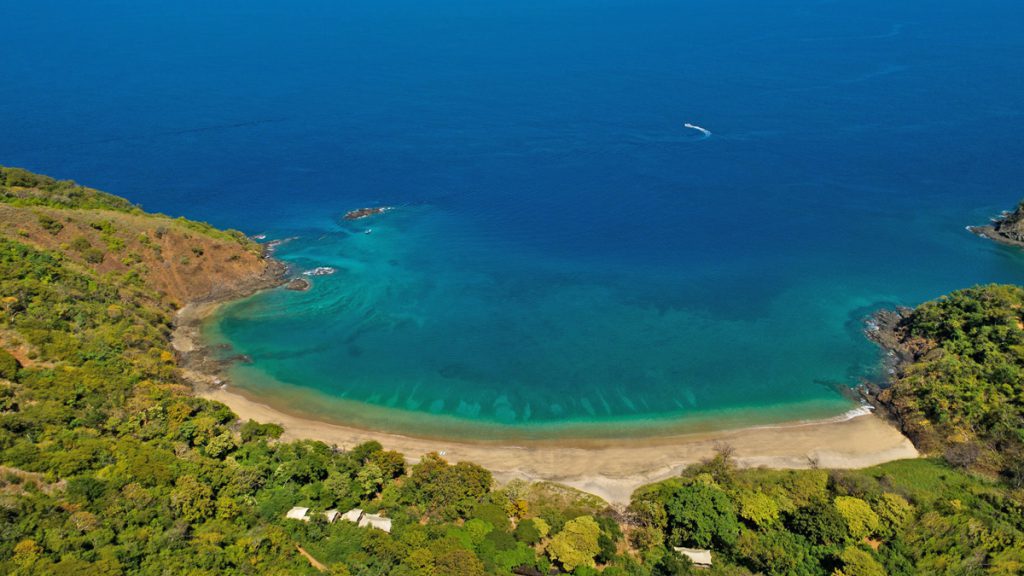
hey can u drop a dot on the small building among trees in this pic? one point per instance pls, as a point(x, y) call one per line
point(375, 521)
point(699, 557)
point(353, 515)
point(298, 513)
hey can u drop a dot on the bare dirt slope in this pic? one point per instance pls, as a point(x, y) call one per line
point(179, 260)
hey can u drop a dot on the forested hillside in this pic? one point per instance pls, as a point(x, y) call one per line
point(963, 395)
point(109, 466)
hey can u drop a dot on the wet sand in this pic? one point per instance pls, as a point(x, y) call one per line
point(612, 469)
point(609, 468)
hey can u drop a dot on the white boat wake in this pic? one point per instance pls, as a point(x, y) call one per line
point(704, 131)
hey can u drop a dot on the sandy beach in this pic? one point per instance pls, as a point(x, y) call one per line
point(611, 469)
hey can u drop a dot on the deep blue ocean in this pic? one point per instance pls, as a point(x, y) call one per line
point(564, 250)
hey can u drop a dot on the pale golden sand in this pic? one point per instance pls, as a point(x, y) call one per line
point(612, 469)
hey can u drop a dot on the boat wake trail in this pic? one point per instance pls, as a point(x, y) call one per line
point(704, 131)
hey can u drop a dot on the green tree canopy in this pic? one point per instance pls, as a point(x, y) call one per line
point(577, 543)
point(820, 522)
point(702, 516)
point(861, 520)
point(758, 508)
point(857, 562)
point(447, 490)
point(8, 365)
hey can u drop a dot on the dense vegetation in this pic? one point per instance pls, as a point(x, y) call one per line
point(906, 517)
point(963, 396)
point(23, 188)
point(109, 466)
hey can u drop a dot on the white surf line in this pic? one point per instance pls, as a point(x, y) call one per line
point(704, 131)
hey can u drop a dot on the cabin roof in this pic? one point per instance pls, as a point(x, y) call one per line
point(353, 515)
point(375, 521)
point(298, 513)
point(696, 555)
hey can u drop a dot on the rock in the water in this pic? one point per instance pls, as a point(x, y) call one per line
point(320, 271)
point(299, 285)
point(366, 212)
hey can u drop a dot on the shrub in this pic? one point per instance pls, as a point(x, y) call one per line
point(962, 454)
point(492, 514)
point(93, 255)
point(8, 365)
point(50, 225)
point(253, 430)
point(80, 244)
point(527, 532)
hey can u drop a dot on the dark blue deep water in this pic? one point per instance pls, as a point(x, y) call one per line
point(564, 251)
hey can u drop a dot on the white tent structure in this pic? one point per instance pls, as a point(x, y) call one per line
point(353, 515)
point(298, 513)
point(697, 556)
point(375, 521)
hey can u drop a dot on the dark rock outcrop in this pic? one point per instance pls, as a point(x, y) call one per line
point(299, 285)
point(889, 330)
point(1007, 229)
point(365, 212)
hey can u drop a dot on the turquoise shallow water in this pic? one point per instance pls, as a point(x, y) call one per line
point(431, 327)
point(566, 255)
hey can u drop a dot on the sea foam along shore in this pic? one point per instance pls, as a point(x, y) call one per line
point(611, 469)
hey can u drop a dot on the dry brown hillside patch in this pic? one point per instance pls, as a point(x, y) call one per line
point(180, 261)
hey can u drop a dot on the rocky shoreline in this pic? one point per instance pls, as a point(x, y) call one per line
point(888, 329)
point(299, 285)
point(202, 366)
point(1007, 229)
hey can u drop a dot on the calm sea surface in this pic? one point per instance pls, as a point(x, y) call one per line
point(565, 254)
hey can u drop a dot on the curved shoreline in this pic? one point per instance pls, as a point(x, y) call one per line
point(612, 469)
point(609, 468)
point(310, 404)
